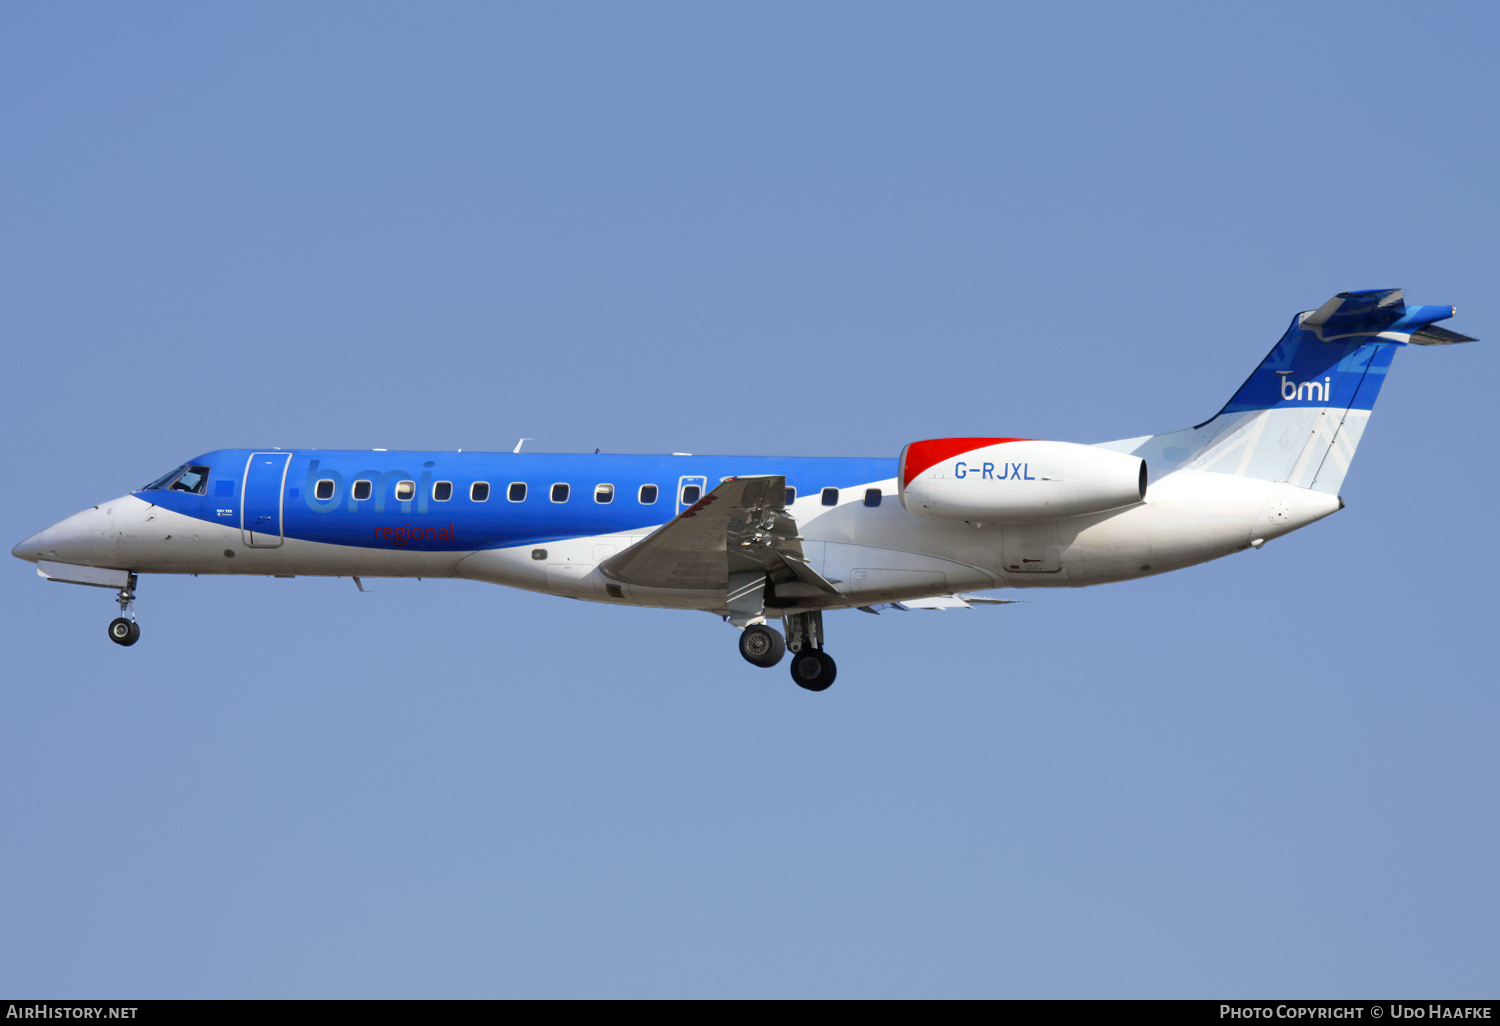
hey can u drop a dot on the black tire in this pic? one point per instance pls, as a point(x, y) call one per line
point(813, 670)
point(123, 631)
point(762, 645)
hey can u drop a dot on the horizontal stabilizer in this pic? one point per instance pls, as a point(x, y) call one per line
point(1432, 335)
point(1351, 311)
point(1377, 312)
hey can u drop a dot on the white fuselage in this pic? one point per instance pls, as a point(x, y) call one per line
point(872, 556)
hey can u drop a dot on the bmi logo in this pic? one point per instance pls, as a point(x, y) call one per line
point(1312, 390)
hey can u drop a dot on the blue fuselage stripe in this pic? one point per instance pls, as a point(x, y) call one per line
point(461, 524)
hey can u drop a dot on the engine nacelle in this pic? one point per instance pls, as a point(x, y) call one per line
point(1013, 480)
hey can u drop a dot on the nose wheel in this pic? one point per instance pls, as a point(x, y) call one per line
point(123, 630)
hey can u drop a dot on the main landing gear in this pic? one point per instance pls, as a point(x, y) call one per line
point(123, 630)
point(812, 668)
point(761, 645)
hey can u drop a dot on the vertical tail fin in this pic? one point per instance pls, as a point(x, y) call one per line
point(1299, 417)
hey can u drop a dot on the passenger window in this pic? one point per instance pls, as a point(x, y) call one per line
point(791, 496)
point(648, 495)
point(872, 496)
point(324, 489)
point(691, 494)
point(361, 491)
point(559, 493)
point(442, 491)
point(604, 494)
point(193, 480)
point(830, 496)
point(517, 492)
point(479, 491)
point(405, 490)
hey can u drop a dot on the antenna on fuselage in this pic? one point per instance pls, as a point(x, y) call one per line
point(521, 443)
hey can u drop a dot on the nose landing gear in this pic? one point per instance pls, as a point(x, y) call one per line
point(123, 630)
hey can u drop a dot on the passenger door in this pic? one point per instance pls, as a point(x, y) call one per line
point(262, 501)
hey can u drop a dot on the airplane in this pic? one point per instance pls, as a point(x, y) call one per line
point(759, 538)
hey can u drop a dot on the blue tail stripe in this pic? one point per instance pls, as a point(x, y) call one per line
point(1335, 356)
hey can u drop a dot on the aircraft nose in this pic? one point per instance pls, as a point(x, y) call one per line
point(32, 548)
point(77, 539)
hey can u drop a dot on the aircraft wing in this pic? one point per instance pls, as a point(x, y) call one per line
point(737, 536)
point(941, 602)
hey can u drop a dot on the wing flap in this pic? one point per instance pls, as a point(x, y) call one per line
point(741, 527)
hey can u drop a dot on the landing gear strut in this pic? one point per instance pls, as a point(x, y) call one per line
point(123, 631)
point(812, 668)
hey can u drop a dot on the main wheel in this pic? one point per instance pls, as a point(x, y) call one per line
point(123, 631)
point(762, 645)
point(813, 670)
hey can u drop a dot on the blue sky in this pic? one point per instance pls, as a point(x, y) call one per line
point(821, 229)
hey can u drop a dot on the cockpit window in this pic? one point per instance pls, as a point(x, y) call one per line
point(159, 482)
point(193, 479)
